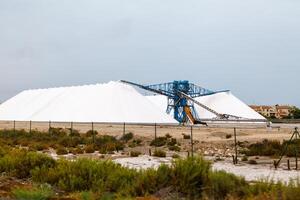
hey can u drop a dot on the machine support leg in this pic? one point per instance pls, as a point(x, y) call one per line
point(192, 142)
point(295, 134)
point(296, 153)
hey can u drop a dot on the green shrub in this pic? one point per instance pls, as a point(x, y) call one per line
point(38, 147)
point(135, 143)
point(89, 148)
point(3, 150)
point(222, 184)
point(186, 137)
point(135, 153)
point(91, 133)
point(68, 141)
point(172, 142)
point(150, 181)
point(159, 153)
point(132, 145)
point(264, 148)
point(60, 132)
point(61, 151)
point(292, 150)
point(42, 192)
point(77, 150)
point(108, 196)
point(175, 156)
point(261, 187)
point(273, 190)
point(174, 148)
point(252, 162)
point(19, 163)
point(228, 136)
point(23, 143)
point(86, 174)
point(74, 133)
point(291, 191)
point(37, 140)
point(103, 151)
point(108, 143)
point(126, 137)
point(87, 195)
point(189, 176)
point(244, 158)
point(159, 142)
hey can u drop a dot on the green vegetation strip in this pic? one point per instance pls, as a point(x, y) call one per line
point(272, 148)
point(191, 178)
point(63, 140)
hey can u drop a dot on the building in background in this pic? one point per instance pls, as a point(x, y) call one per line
point(276, 111)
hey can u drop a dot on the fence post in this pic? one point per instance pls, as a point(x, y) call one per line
point(14, 126)
point(275, 164)
point(30, 126)
point(124, 128)
point(192, 142)
point(93, 132)
point(71, 128)
point(296, 151)
point(49, 127)
point(235, 148)
point(155, 131)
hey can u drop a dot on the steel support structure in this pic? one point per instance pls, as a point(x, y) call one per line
point(176, 102)
point(180, 95)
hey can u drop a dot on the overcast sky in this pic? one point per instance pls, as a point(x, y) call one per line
point(251, 47)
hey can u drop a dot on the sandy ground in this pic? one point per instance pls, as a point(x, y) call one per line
point(212, 133)
point(216, 139)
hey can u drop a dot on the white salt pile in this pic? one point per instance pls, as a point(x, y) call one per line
point(110, 102)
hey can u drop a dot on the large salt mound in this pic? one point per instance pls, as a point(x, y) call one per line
point(222, 102)
point(110, 102)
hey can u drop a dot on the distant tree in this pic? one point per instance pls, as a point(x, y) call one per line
point(295, 113)
point(265, 116)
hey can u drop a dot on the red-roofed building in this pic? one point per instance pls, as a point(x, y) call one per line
point(277, 111)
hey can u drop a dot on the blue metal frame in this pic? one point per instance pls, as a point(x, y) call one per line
point(175, 101)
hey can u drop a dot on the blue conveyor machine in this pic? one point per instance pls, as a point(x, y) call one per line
point(181, 99)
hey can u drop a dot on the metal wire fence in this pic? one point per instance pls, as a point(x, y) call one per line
point(230, 133)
